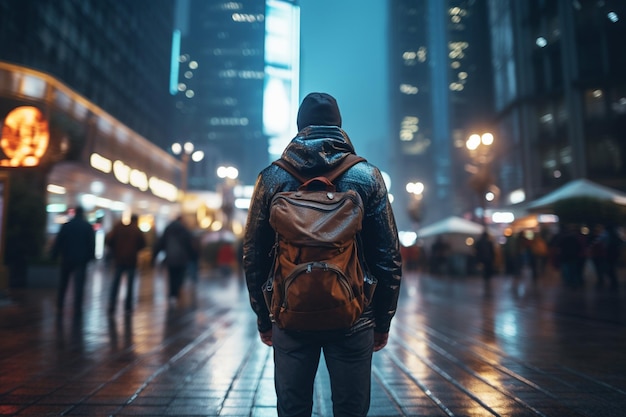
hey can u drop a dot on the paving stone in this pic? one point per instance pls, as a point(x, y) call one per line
point(457, 347)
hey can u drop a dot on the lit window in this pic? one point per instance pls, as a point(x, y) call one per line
point(421, 54)
point(408, 89)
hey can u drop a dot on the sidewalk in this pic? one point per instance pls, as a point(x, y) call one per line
point(458, 347)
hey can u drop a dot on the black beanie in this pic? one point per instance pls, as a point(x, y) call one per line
point(318, 109)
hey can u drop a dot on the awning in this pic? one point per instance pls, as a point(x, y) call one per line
point(577, 188)
point(451, 225)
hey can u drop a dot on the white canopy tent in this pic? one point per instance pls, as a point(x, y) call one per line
point(451, 225)
point(577, 188)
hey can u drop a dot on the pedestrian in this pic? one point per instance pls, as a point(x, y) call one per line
point(125, 242)
point(177, 244)
point(225, 259)
point(320, 145)
point(439, 253)
point(614, 245)
point(525, 254)
point(597, 251)
point(76, 246)
point(539, 252)
point(571, 255)
point(485, 253)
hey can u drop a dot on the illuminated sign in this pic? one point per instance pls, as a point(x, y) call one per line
point(138, 179)
point(282, 59)
point(25, 137)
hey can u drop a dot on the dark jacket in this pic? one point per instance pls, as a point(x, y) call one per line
point(125, 241)
point(177, 243)
point(315, 150)
point(75, 243)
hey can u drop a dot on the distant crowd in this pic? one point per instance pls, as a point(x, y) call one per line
point(570, 250)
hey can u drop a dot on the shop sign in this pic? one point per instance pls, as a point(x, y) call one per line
point(25, 137)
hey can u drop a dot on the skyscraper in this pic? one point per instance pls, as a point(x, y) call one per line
point(115, 54)
point(85, 112)
point(441, 94)
point(224, 74)
point(560, 92)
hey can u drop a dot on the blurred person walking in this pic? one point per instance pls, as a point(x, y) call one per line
point(439, 253)
point(125, 242)
point(597, 252)
point(485, 253)
point(76, 246)
point(178, 245)
point(571, 255)
point(614, 245)
point(539, 252)
point(319, 147)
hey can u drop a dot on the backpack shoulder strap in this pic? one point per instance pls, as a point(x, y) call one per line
point(290, 169)
point(346, 163)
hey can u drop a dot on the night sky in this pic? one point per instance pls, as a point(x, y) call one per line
point(344, 53)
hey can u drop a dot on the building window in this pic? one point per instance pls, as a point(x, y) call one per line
point(595, 107)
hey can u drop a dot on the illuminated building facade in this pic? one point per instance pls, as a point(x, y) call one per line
point(559, 73)
point(96, 75)
point(237, 83)
point(441, 93)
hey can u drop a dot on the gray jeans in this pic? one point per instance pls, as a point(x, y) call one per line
point(349, 363)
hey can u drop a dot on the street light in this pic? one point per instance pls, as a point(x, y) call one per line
point(416, 191)
point(229, 174)
point(479, 147)
point(186, 151)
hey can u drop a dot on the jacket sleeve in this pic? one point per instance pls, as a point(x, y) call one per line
point(257, 250)
point(382, 249)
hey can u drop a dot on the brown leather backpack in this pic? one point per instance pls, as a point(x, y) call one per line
point(317, 280)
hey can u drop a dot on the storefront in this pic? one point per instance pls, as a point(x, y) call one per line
point(59, 150)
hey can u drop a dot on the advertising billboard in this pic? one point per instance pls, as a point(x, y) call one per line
point(282, 69)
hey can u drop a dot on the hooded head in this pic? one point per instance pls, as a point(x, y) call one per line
point(319, 109)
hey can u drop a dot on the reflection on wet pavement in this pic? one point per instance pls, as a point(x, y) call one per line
point(458, 347)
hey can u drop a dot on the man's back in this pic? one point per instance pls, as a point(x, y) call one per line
point(320, 146)
point(126, 241)
point(75, 242)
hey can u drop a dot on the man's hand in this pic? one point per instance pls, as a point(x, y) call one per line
point(380, 341)
point(266, 337)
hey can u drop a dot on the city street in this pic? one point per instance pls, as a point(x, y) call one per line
point(458, 347)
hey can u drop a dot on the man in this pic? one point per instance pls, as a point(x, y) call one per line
point(484, 251)
point(125, 242)
point(75, 244)
point(177, 243)
point(320, 145)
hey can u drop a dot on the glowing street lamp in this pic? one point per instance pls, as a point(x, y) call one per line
point(479, 147)
point(229, 174)
point(416, 191)
point(186, 151)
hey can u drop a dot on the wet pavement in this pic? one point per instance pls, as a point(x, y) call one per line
point(458, 347)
